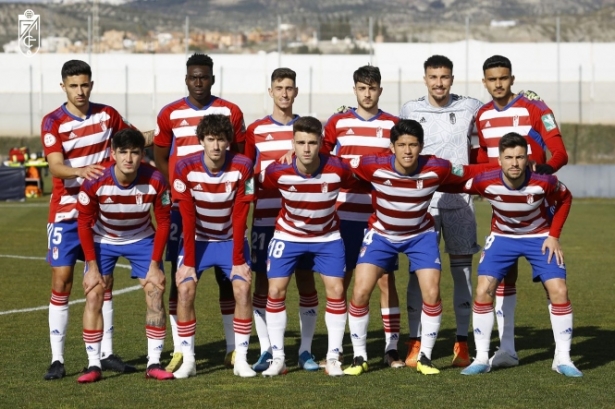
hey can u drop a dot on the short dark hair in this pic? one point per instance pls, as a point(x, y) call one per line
point(438, 61)
point(308, 124)
point(128, 138)
point(407, 127)
point(280, 74)
point(201, 60)
point(215, 125)
point(76, 67)
point(497, 61)
point(511, 140)
point(368, 74)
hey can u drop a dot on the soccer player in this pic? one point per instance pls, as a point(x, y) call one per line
point(174, 138)
point(214, 189)
point(307, 225)
point(76, 139)
point(521, 226)
point(351, 134)
point(532, 119)
point(448, 122)
point(267, 140)
point(115, 220)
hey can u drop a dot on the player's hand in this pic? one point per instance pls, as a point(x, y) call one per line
point(552, 244)
point(155, 276)
point(544, 169)
point(184, 274)
point(244, 271)
point(287, 158)
point(90, 172)
point(92, 277)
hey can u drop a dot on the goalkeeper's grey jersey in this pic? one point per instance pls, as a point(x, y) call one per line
point(448, 134)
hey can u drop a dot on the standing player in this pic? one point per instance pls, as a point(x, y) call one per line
point(175, 137)
point(448, 122)
point(307, 225)
point(214, 189)
point(532, 119)
point(518, 196)
point(76, 138)
point(351, 134)
point(267, 140)
point(114, 220)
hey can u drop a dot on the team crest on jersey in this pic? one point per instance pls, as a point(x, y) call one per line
point(452, 118)
point(83, 198)
point(355, 162)
point(379, 132)
point(139, 198)
point(103, 126)
point(516, 120)
point(530, 199)
point(324, 187)
point(228, 186)
point(179, 186)
point(469, 183)
point(49, 139)
point(419, 184)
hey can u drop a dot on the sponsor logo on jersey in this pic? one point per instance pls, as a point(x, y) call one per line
point(179, 186)
point(108, 201)
point(324, 188)
point(548, 121)
point(388, 182)
point(184, 123)
point(488, 124)
point(292, 189)
point(49, 139)
point(72, 135)
point(452, 118)
point(198, 187)
point(349, 131)
point(422, 120)
point(269, 138)
point(497, 198)
point(84, 199)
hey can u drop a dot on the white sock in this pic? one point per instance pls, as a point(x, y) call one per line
point(92, 339)
point(276, 325)
point(505, 303)
point(358, 321)
point(414, 305)
point(391, 324)
point(431, 318)
point(243, 329)
point(259, 307)
point(107, 311)
point(173, 320)
point(58, 323)
point(155, 343)
point(308, 315)
point(561, 322)
point(461, 270)
point(186, 331)
point(482, 319)
point(227, 309)
point(335, 318)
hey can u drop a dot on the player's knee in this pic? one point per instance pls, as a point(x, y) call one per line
point(94, 299)
point(62, 280)
point(276, 293)
point(558, 292)
point(241, 292)
point(186, 292)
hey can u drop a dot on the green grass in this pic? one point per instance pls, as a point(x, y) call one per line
point(24, 346)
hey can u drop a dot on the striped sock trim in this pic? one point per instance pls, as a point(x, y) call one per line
point(433, 310)
point(479, 308)
point(561, 309)
point(108, 295)
point(276, 305)
point(227, 306)
point(505, 289)
point(336, 306)
point(59, 299)
point(358, 311)
point(242, 326)
point(186, 329)
point(157, 333)
point(92, 336)
point(391, 319)
point(173, 306)
point(258, 301)
point(308, 300)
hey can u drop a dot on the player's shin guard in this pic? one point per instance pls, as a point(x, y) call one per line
point(173, 319)
point(391, 323)
point(58, 322)
point(414, 304)
point(243, 329)
point(461, 270)
point(431, 318)
point(107, 311)
point(155, 343)
point(227, 309)
point(92, 339)
point(505, 303)
point(482, 320)
point(335, 319)
point(561, 322)
point(276, 325)
point(308, 314)
point(358, 320)
point(259, 307)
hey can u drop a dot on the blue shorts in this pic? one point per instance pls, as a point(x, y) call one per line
point(284, 255)
point(261, 236)
point(501, 252)
point(352, 234)
point(422, 251)
point(63, 245)
point(215, 254)
point(139, 255)
point(175, 232)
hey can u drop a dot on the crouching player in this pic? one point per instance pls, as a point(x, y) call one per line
point(115, 220)
point(521, 227)
point(214, 189)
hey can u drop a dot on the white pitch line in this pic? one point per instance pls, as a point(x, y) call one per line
point(80, 301)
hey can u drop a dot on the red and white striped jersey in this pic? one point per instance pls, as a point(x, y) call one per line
point(350, 136)
point(114, 214)
point(82, 142)
point(308, 202)
point(176, 126)
point(522, 211)
point(529, 118)
point(214, 207)
point(401, 202)
point(266, 142)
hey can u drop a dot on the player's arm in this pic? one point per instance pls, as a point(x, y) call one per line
point(329, 139)
point(550, 132)
point(87, 206)
point(243, 197)
point(162, 214)
point(163, 139)
point(250, 146)
point(563, 199)
point(479, 155)
point(161, 158)
point(181, 193)
point(61, 171)
point(460, 178)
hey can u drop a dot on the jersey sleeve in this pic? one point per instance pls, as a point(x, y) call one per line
point(118, 122)
point(239, 126)
point(181, 193)
point(163, 134)
point(268, 178)
point(250, 146)
point(329, 139)
point(243, 197)
point(50, 136)
point(162, 213)
point(544, 122)
point(88, 208)
point(561, 196)
point(359, 167)
point(480, 154)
